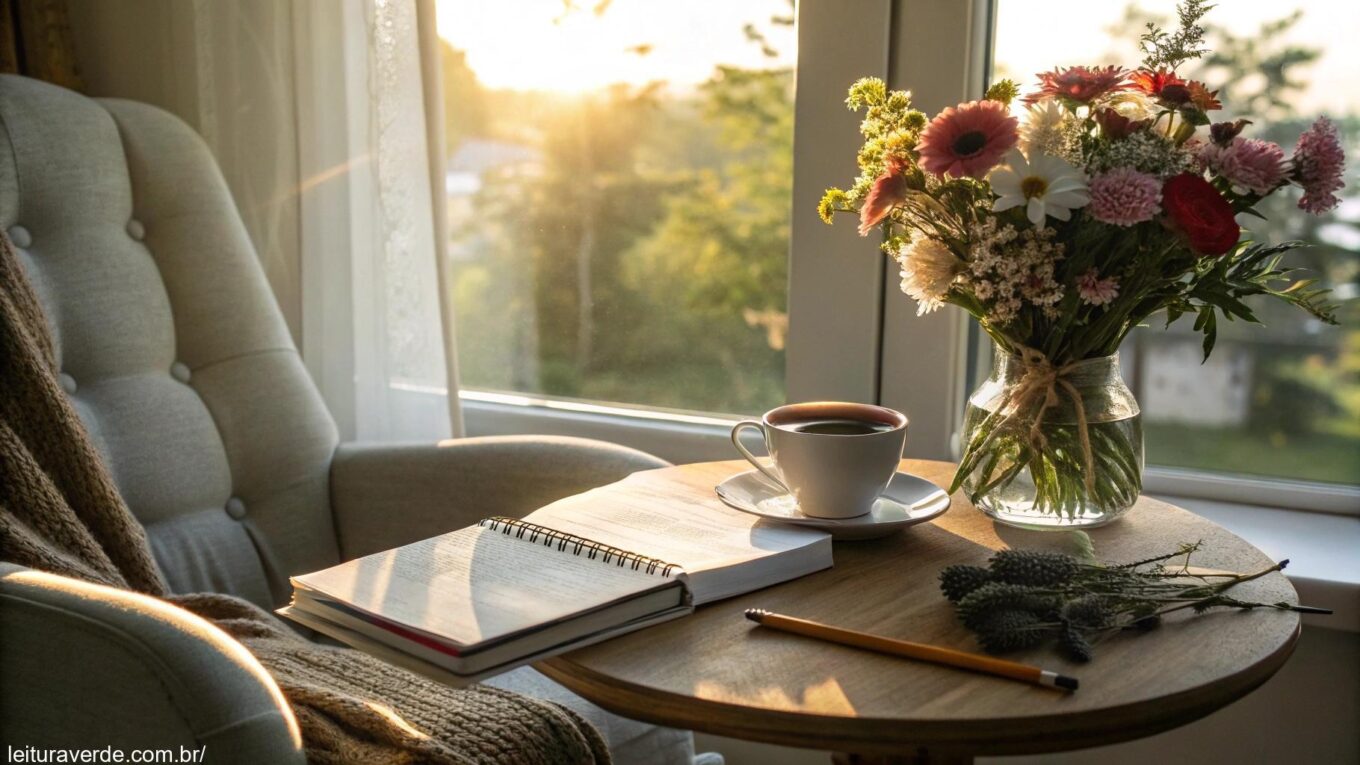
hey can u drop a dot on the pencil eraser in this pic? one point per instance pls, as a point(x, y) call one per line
point(1063, 681)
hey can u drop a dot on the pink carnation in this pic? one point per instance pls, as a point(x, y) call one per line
point(1318, 162)
point(1124, 196)
point(1246, 163)
point(968, 140)
point(1095, 290)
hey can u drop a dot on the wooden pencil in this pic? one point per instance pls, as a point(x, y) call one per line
point(919, 651)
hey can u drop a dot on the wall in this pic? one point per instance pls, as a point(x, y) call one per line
point(1307, 713)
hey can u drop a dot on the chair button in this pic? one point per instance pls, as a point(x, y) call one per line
point(236, 508)
point(136, 230)
point(180, 371)
point(68, 383)
point(20, 236)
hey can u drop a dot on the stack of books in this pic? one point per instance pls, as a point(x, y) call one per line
point(505, 592)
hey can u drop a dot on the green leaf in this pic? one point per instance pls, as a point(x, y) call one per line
point(1194, 116)
point(1210, 331)
point(1174, 312)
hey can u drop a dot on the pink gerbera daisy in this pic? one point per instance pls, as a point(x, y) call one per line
point(968, 140)
point(888, 191)
point(1249, 164)
point(1318, 162)
point(1124, 196)
point(1080, 84)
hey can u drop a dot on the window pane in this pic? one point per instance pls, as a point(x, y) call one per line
point(1283, 399)
point(619, 185)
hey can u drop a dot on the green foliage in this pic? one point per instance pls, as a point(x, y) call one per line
point(1222, 284)
point(1161, 49)
point(639, 252)
point(833, 201)
point(718, 254)
point(464, 100)
point(1276, 69)
point(1003, 92)
point(866, 92)
point(996, 457)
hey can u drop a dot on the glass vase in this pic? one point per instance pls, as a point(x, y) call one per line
point(1025, 457)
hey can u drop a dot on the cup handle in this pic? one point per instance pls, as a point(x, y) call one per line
point(751, 458)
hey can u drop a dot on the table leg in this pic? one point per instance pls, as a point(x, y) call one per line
point(919, 757)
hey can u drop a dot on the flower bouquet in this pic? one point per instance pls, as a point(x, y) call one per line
point(1114, 202)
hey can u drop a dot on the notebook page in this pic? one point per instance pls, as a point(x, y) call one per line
point(697, 532)
point(476, 585)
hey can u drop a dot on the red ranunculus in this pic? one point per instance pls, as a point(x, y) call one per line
point(1197, 209)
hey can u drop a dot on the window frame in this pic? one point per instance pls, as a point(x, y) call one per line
point(852, 334)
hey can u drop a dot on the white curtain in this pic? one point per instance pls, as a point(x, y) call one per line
point(315, 110)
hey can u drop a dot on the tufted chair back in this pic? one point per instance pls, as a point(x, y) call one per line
point(168, 338)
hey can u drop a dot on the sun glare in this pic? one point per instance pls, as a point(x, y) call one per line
point(544, 45)
point(1083, 36)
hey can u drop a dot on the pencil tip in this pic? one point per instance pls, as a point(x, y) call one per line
point(1063, 681)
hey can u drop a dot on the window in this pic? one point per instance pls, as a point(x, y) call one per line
point(620, 219)
point(663, 148)
point(1281, 400)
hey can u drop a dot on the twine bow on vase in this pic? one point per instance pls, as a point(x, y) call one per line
point(1041, 378)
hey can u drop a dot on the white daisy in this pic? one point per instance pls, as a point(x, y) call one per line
point(1045, 185)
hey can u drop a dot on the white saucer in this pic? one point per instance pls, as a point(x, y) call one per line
point(907, 501)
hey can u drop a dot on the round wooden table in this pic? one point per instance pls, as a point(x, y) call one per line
point(715, 671)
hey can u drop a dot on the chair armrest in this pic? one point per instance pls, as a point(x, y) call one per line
point(384, 496)
point(86, 666)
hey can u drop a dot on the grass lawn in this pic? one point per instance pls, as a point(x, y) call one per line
point(1311, 457)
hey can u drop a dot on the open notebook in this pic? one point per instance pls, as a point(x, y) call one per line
point(506, 592)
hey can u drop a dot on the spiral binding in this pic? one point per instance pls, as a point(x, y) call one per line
point(577, 545)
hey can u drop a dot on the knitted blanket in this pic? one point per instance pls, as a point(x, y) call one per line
point(61, 513)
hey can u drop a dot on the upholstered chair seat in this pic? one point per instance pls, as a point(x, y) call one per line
point(176, 356)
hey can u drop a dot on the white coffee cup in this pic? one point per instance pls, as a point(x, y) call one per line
point(834, 457)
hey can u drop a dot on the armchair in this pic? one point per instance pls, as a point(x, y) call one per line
point(174, 353)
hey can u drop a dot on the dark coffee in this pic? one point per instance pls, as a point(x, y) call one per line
point(837, 426)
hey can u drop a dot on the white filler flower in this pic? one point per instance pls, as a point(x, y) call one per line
point(1045, 185)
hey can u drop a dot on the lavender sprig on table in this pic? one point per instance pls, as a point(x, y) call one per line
point(1023, 598)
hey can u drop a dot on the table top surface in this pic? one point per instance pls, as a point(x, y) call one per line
point(717, 672)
